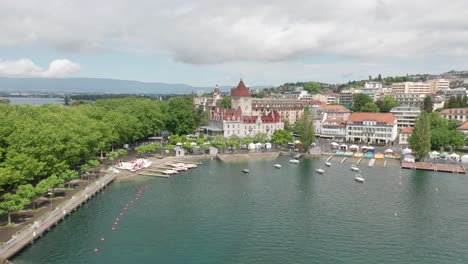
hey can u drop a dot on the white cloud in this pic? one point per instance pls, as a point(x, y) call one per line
point(27, 68)
point(213, 31)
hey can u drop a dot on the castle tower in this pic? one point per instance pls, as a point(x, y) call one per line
point(216, 95)
point(240, 97)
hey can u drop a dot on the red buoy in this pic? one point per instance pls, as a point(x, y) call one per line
point(117, 219)
point(96, 250)
point(102, 239)
point(131, 202)
point(116, 223)
point(113, 228)
point(121, 214)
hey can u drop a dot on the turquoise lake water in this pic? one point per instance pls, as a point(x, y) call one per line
point(217, 214)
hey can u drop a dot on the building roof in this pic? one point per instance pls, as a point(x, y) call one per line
point(332, 108)
point(464, 126)
point(454, 111)
point(407, 130)
point(334, 122)
point(241, 90)
point(387, 118)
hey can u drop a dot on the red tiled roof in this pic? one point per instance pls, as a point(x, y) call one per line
point(388, 118)
point(334, 122)
point(407, 130)
point(464, 126)
point(241, 90)
point(454, 111)
point(326, 107)
point(314, 101)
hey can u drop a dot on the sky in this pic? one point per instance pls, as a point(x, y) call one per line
point(208, 42)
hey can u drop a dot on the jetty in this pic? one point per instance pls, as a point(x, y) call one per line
point(248, 156)
point(371, 163)
point(343, 160)
point(46, 222)
point(452, 168)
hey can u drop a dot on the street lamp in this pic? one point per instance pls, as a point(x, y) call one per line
point(50, 199)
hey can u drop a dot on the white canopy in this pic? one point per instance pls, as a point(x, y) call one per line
point(370, 147)
point(464, 158)
point(258, 145)
point(193, 144)
point(353, 147)
point(406, 151)
point(251, 146)
point(435, 153)
point(389, 150)
point(454, 155)
point(335, 144)
point(268, 145)
point(179, 144)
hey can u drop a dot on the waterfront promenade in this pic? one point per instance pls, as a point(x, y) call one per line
point(34, 231)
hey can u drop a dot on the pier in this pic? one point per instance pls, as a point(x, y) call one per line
point(371, 163)
point(43, 224)
point(453, 168)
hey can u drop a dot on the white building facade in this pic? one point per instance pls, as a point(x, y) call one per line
point(405, 115)
point(380, 128)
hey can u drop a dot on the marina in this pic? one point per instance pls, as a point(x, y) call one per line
point(175, 221)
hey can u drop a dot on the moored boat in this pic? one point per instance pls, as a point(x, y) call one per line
point(278, 166)
point(359, 178)
point(295, 161)
point(245, 171)
point(328, 164)
point(320, 171)
point(354, 168)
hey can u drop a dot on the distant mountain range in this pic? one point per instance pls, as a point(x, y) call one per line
point(98, 86)
point(90, 85)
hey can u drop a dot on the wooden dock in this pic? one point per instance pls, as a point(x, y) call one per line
point(343, 160)
point(371, 163)
point(43, 224)
point(452, 168)
point(154, 175)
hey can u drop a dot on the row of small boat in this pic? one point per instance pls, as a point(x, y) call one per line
point(178, 167)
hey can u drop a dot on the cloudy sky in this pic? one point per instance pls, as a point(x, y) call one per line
point(204, 42)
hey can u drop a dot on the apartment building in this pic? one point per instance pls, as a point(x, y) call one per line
point(438, 84)
point(371, 128)
point(411, 100)
point(411, 88)
point(405, 115)
point(458, 114)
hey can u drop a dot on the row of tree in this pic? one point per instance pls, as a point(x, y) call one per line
point(432, 131)
point(45, 146)
point(364, 103)
point(456, 102)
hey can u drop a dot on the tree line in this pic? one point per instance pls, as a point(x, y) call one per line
point(43, 147)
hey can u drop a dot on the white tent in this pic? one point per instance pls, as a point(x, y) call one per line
point(370, 147)
point(354, 147)
point(454, 156)
point(434, 154)
point(464, 158)
point(179, 144)
point(335, 145)
point(259, 145)
point(406, 151)
point(193, 144)
point(344, 146)
point(251, 146)
point(268, 145)
point(388, 151)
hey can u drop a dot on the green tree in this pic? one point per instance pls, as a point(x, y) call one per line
point(287, 126)
point(226, 102)
point(370, 107)
point(179, 116)
point(28, 192)
point(282, 137)
point(428, 105)
point(200, 116)
point(387, 103)
point(359, 101)
point(312, 87)
point(261, 138)
point(4, 101)
point(11, 203)
point(306, 129)
point(420, 139)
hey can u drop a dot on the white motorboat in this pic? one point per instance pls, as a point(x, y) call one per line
point(278, 166)
point(354, 168)
point(359, 178)
point(295, 161)
point(328, 164)
point(245, 171)
point(320, 171)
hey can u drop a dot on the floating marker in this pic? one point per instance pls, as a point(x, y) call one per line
point(116, 223)
point(121, 214)
point(113, 228)
point(131, 201)
point(96, 250)
point(117, 219)
point(102, 239)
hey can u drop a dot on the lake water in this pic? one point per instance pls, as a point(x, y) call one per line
point(34, 100)
point(217, 214)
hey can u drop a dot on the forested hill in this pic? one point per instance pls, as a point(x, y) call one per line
point(90, 85)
